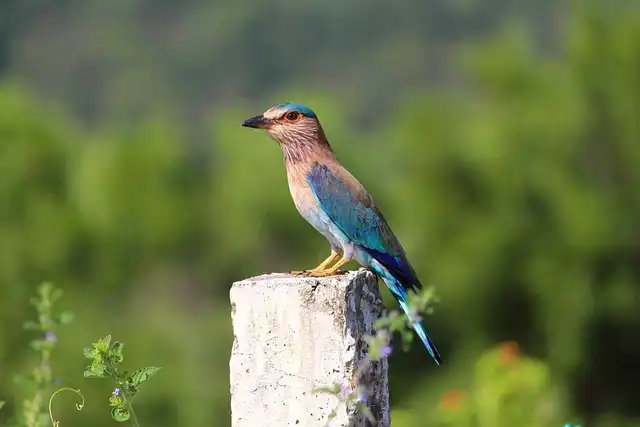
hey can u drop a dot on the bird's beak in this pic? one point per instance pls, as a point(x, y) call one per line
point(258, 122)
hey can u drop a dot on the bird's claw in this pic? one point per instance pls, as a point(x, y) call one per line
point(299, 273)
point(318, 273)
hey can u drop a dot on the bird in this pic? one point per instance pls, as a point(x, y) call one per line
point(338, 206)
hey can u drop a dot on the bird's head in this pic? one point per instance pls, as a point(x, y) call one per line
point(288, 123)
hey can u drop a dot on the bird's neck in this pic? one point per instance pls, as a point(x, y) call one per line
point(304, 150)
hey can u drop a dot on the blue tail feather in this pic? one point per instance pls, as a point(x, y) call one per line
point(424, 337)
point(399, 292)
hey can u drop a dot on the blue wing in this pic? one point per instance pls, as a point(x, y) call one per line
point(352, 210)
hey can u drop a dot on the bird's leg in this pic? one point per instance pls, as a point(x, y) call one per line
point(330, 271)
point(323, 265)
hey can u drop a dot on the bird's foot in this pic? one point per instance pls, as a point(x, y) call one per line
point(299, 273)
point(322, 271)
point(325, 273)
point(318, 273)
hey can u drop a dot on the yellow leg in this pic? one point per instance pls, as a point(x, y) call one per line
point(323, 265)
point(330, 271)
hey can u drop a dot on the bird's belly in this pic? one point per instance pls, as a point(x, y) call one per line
point(321, 222)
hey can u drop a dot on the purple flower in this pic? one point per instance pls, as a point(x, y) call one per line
point(116, 392)
point(415, 316)
point(386, 351)
point(345, 389)
point(50, 336)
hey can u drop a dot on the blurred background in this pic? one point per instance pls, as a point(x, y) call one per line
point(501, 138)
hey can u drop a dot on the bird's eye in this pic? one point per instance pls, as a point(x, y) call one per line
point(292, 115)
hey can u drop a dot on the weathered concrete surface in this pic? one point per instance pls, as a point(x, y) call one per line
point(293, 334)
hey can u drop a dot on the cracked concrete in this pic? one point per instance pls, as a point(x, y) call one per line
point(293, 334)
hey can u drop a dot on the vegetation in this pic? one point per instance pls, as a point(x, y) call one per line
point(512, 183)
point(105, 357)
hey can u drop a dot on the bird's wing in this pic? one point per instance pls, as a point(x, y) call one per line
point(353, 210)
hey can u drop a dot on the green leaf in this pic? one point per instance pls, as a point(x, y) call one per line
point(88, 373)
point(89, 353)
point(106, 340)
point(45, 288)
point(38, 345)
point(120, 414)
point(141, 375)
point(108, 372)
point(103, 344)
point(364, 409)
point(330, 390)
point(407, 340)
point(95, 370)
point(116, 401)
point(31, 326)
point(115, 353)
point(2, 402)
point(55, 295)
point(65, 318)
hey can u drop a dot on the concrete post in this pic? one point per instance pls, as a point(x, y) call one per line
point(293, 334)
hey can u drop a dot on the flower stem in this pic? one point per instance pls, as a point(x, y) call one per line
point(134, 418)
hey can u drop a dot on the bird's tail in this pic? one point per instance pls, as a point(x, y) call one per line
point(399, 292)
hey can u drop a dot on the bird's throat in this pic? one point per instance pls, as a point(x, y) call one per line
point(305, 151)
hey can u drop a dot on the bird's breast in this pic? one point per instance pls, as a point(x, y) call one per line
point(301, 193)
point(306, 202)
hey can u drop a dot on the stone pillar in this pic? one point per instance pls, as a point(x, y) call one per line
point(294, 334)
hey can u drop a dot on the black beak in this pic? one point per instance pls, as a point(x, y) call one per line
point(258, 122)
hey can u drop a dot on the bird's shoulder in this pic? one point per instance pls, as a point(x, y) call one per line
point(334, 175)
point(346, 189)
point(348, 203)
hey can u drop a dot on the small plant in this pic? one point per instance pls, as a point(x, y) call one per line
point(380, 347)
point(34, 411)
point(105, 358)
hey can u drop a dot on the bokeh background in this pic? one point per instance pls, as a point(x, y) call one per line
point(500, 137)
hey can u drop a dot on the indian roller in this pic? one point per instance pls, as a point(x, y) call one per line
point(335, 203)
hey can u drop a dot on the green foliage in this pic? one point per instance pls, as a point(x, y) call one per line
point(39, 381)
point(126, 58)
point(105, 358)
point(508, 389)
